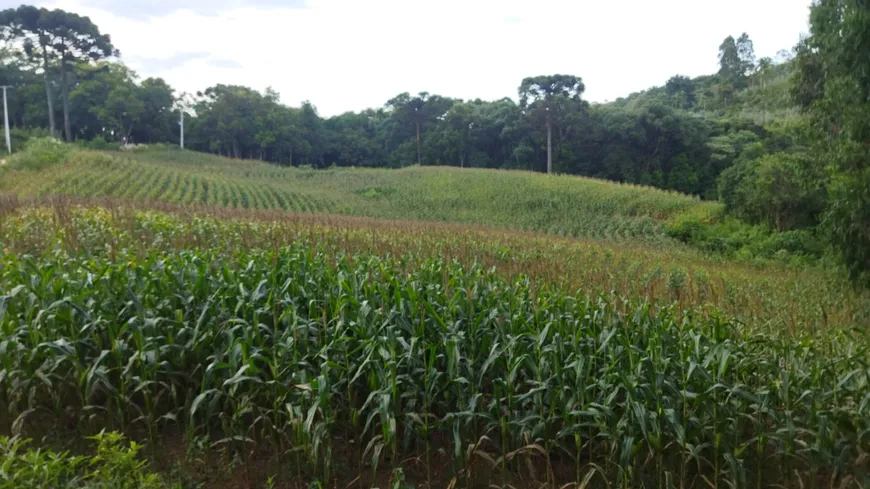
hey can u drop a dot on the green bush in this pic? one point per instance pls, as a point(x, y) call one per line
point(799, 242)
point(688, 228)
point(40, 153)
point(99, 143)
point(737, 239)
point(781, 190)
point(114, 466)
point(22, 136)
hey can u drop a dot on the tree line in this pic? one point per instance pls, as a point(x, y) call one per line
point(832, 88)
point(59, 59)
point(809, 176)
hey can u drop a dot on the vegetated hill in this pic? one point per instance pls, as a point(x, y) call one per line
point(527, 201)
point(764, 98)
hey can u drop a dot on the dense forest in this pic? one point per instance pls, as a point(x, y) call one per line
point(781, 141)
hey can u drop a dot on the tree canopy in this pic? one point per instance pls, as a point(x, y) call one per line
point(54, 40)
point(552, 100)
point(832, 86)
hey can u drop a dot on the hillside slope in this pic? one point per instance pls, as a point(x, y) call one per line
point(571, 206)
point(764, 98)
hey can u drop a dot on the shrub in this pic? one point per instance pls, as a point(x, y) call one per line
point(689, 227)
point(780, 190)
point(40, 153)
point(98, 142)
point(798, 242)
point(21, 136)
point(115, 466)
point(734, 238)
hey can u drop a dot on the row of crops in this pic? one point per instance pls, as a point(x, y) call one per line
point(128, 179)
point(343, 362)
point(567, 206)
point(637, 230)
point(772, 299)
point(514, 187)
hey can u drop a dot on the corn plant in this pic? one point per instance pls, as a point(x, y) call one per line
point(332, 345)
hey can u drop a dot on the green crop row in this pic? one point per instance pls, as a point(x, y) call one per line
point(131, 180)
point(567, 206)
point(338, 352)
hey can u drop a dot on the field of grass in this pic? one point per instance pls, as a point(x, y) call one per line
point(568, 206)
point(365, 352)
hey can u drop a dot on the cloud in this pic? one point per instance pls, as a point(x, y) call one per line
point(142, 9)
point(150, 65)
point(227, 64)
point(352, 54)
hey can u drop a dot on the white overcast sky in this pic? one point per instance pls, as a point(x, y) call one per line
point(353, 54)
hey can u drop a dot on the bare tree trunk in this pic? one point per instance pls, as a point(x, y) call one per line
point(65, 92)
point(549, 147)
point(49, 96)
point(461, 160)
point(419, 159)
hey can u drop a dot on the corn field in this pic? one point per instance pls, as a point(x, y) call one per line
point(566, 206)
point(345, 349)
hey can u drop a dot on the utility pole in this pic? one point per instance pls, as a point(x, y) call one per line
point(182, 103)
point(6, 120)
